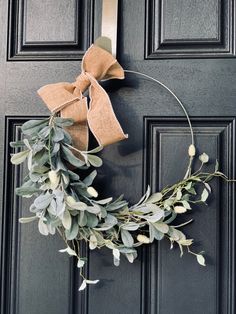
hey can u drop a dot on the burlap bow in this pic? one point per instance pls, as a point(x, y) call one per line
point(68, 99)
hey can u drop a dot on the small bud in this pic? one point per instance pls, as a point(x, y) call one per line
point(54, 179)
point(92, 191)
point(204, 158)
point(70, 200)
point(191, 150)
point(143, 239)
point(180, 209)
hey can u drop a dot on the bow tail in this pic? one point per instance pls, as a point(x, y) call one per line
point(101, 117)
point(60, 97)
point(79, 130)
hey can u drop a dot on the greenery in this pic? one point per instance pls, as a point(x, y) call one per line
point(65, 202)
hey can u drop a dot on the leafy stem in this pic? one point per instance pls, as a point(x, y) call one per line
point(51, 125)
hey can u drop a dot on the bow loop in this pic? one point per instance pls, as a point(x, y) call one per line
point(57, 95)
point(68, 98)
point(101, 65)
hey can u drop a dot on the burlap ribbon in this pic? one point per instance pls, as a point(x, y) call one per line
point(68, 99)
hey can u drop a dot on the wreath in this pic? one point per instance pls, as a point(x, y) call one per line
point(66, 203)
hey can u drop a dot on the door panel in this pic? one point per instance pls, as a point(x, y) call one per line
point(176, 43)
point(49, 30)
point(190, 29)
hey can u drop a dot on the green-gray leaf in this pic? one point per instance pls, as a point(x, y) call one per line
point(204, 195)
point(62, 122)
point(154, 198)
point(89, 179)
point(92, 220)
point(95, 160)
point(201, 260)
point(73, 231)
point(58, 135)
point(161, 226)
point(24, 220)
point(26, 191)
point(20, 157)
point(127, 238)
point(154, 233)
point(131, 226)
point(42, 201)
point(93, 151)
point(70, 157)
point(33, 126)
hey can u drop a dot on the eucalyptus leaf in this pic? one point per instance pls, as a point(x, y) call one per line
point(63, 122)
point(155, 233)
point(70, 157)
point(74, 176)
point(83, 285)
point(92, 282)
point(110, 219)
point(25, 191)
point(24, 220)
point(131, 256)
point(204, 195)
point(17, 144)
point(82, 219)
point(93, 151)
point(69, 251)
point(20, 157)
point(161, 226)
point(145, 197)
point(201, 260)
point(94, 160)
point(104, 201)
point(72, 233)
point(66, 220)
point(127, 238)
point(104, 227)
point(44, 132)
point(155, 198)
point(32, 127)
point(173, 216)
point(175, 234)
point(116, 205)
point(72, 203)
point(43, 201)
point(41, 158)
point(186, 204)
point(130, 226)
point(43, 229)
point(93, 209)
point(58, 135)
point(52, 208)
point(90, 178)
point(67, 137)
point(92, 220)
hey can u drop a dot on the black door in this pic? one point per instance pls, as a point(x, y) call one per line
point(189, 46)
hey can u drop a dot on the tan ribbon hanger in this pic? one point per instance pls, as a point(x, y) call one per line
point(68, 99)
